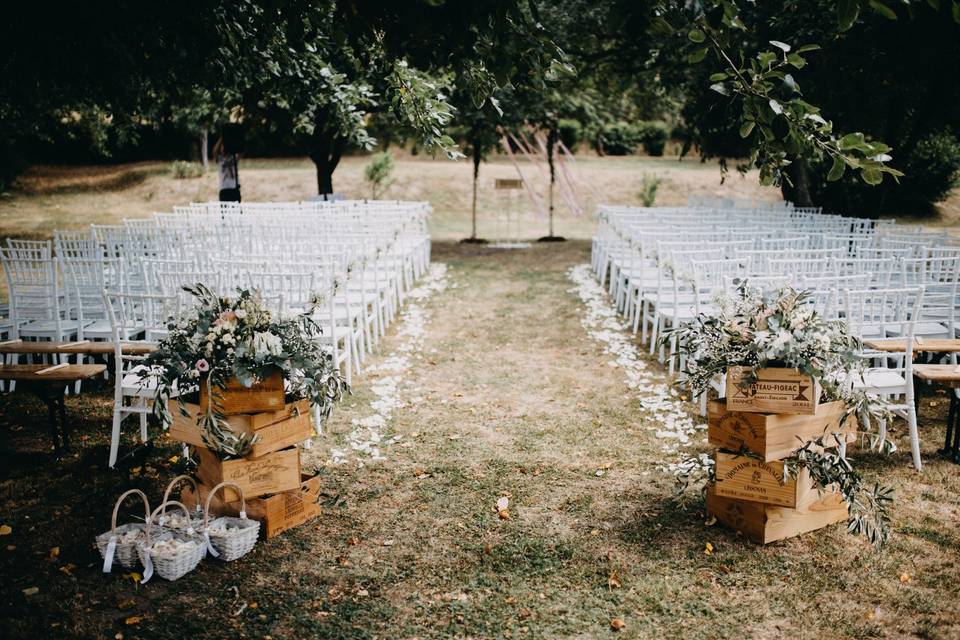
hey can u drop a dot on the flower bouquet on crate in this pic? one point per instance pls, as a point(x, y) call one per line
point(237, 355)
point(753, 332)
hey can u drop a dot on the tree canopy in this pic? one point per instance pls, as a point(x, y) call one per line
point(822, 97)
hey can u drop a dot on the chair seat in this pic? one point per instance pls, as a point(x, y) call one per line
point(101, 330)
point(44, 328)
point(882, 380)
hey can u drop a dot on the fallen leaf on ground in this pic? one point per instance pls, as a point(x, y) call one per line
point(617, 624)
point(388, 543)
point(708, 549)
point(904, 578)
point(54, 553)
point(67, 569)
point(613, 581)
point(31, 591)
point(126, 603)
point(5, 529)
point(595, 532)
point(136, 577)
point(711, 521)
point(133, 620)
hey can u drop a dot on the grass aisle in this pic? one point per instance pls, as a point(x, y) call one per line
point(508, 396)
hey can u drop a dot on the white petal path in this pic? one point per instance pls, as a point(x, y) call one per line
point(370, 434)
point(670, 418)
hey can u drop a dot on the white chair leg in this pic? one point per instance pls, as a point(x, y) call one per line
point(143, 421)
point(115, 434)
point(914, 436)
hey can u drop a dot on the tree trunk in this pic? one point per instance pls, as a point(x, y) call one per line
point(204, 153)
point(477, 158)
point(326, 154)
point(551, 148)
point(799, 192)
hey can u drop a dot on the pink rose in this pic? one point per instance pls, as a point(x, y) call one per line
point(202, 366)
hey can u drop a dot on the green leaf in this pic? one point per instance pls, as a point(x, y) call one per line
point(956, 11)
point(883, 9)
point(872, 176)
point(836, 171)
point(696, 35)
point(697, 56)
point(808, 47)
point(934, 4)
point(847, 12)
point(796, 60)
point(781, 45)
point(718, 77)
point(747, 129)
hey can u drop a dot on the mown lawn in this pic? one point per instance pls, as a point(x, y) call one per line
point(514, 400)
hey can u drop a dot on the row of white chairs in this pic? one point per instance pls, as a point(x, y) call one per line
point(352, 262)
point(664, 266)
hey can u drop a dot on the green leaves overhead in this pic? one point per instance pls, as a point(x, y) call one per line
point(780, 125)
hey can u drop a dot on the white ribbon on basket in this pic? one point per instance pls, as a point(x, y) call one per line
point(147, 565)
point(108, 554)
point(209, 545)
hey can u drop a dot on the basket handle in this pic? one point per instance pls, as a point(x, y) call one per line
point(173, 483)
point(116, 509)
point(243, 501)
point(164, 507)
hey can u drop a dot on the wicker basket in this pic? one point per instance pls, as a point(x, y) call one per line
point(176, 564)
point(179, 523)
point(229, 543)
point(117, 545)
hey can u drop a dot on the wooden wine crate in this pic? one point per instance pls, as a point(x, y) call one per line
point(266, 395)
point(275, 430)
point(775, 436)
point(776, 390)
point(273, 473)
point(747, 478)
point(277, 513)
point(764, 523)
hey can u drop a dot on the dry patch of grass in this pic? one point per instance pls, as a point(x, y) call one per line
point(516, 401)
point(51, 197)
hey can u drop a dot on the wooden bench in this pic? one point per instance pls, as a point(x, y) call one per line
point(49, 382)
point(77, 347)
point(899, 345)
point(948, 376)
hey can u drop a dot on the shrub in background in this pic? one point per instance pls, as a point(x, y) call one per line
point(648, 189)
point(619, 138)
point(377, 173)
point(571, 132)
point(183, 170)
point(654, 135)
point(932, 169)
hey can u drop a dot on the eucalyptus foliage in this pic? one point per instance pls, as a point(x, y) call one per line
point(225, 338)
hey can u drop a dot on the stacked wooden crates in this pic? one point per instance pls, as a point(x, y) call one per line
point(771, 418)
point(277, 493)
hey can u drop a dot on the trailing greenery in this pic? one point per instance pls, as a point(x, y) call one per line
point(756, 330)
point(225, 338)
point(868, 505)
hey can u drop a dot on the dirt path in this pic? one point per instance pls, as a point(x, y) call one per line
point(508, 393)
